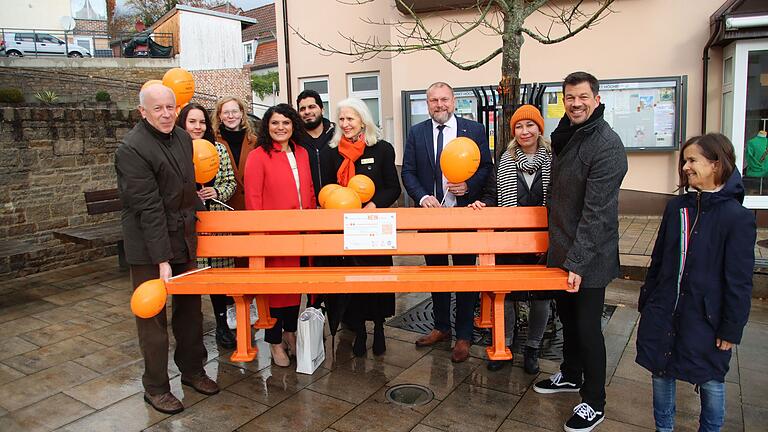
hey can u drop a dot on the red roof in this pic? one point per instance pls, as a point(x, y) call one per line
point(266, 26)
point(266, 55)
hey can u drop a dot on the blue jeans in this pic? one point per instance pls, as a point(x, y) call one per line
point(712, 405)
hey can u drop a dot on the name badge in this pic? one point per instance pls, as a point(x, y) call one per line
point(366, 161)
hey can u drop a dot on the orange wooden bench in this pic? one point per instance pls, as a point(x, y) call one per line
point(259, 234)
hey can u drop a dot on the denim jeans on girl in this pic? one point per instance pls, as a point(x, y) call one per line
point(712, 404)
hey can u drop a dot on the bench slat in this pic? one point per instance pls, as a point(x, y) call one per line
point(101, 195)
point(103, 207)
point(407, 219)
point(408, 243)
point(369, 280)
point(92, 235)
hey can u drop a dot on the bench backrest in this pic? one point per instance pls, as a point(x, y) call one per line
point(102, 201)
point(272, 233)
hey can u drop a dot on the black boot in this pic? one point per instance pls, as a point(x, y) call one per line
point(224, 336)
point(379, 342)
point(531, 360)
point(358, 347)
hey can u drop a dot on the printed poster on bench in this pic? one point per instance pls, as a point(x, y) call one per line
point(365, 231)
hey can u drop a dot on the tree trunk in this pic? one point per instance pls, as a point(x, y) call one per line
point(509, 87)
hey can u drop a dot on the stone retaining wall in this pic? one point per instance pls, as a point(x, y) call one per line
point(48, 158)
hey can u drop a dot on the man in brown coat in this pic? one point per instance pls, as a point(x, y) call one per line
point(156, 180)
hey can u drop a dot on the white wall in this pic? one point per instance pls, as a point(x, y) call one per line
point(208, 42)
point(33, 14)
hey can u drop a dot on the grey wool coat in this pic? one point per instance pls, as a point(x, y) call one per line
point(584, 204)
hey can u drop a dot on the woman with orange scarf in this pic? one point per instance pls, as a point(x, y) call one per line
point(357, 148)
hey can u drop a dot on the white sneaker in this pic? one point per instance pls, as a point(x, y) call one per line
point(231, 317)
point(254, 313)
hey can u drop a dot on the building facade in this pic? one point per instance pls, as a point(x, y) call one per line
point(648, 54)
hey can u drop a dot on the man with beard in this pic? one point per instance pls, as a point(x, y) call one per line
point(588, 168)
point(423, 179)
point(319, 131)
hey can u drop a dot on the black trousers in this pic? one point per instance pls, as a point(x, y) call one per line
point(583, 346)
point(187, 326)
point(287, 320)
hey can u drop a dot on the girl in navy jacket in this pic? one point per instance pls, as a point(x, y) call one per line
point(696, 298)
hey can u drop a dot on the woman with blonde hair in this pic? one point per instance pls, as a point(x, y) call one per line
point(357, 148)
point(233, 130)
point(521, 178)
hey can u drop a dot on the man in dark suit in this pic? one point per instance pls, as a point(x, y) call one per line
point(156, 181)
point(424, 181)
point(588, 168)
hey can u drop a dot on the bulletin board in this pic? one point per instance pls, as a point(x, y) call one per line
point(648, 114)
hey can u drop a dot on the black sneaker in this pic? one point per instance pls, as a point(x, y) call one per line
point(555, 384)
point(584, 419)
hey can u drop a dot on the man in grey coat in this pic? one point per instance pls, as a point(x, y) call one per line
point(588, 168)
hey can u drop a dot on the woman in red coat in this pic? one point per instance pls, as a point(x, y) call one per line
point(278, 177)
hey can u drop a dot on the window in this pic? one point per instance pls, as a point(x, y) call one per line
point(366, 88)
point(248, 52)
point(84, 42)
point(320, 85)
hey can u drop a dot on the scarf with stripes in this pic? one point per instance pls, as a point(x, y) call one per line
point(506, 179)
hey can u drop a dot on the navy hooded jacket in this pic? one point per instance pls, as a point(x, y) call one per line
point(690, 299)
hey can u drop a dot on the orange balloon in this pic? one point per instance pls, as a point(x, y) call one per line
point(182, 83)
point(206, 160)
point(460, 159)
point(325, 192)
point(149, 298)
point(343, 198)
point(150, 82)
point(363, 185)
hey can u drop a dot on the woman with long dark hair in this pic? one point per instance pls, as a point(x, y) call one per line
point(278, 177)
point(194, 119)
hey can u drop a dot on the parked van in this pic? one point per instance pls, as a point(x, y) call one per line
point(42, 44)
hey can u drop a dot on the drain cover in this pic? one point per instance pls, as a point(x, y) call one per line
point(410, 395)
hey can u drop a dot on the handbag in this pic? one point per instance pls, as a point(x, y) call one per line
point(310, 347)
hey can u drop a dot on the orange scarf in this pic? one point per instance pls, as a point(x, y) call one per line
point(351, 151)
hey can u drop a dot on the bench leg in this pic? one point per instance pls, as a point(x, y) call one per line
point(265, 320)
point(499, 350)
point(245, 352)
point(484, 320)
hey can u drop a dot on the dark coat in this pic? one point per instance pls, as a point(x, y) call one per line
point(418, 171)
point(715, 287)
point(584, 204)
point(314, 147)
point(156, 182)
point(378, 163)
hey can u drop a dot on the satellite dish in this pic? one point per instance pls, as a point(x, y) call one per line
point(67, 23)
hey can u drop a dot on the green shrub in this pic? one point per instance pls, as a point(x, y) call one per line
point(102, 96)
point(47, 96)
point(12, 95)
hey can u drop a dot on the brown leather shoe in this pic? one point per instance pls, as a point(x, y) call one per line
point(434, 337)
point(460, 351)
point(201, 384)
point(164, 402)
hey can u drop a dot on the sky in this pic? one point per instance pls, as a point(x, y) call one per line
point(243, 4)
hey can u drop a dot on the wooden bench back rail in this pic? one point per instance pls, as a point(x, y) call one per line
point(102, 201)
point(272, 233)
point(319, 232)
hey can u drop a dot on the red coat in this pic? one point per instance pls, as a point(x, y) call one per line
point(269, 185)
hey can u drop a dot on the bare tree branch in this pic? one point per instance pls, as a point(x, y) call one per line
point(567, 19)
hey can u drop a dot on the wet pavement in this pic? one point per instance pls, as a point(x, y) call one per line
point(69, 360)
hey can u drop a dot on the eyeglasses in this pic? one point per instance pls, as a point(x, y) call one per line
point(237, 113)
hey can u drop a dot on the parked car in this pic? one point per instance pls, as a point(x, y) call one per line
point(21, 44)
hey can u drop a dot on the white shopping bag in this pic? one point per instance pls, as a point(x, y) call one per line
point(310, 349)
